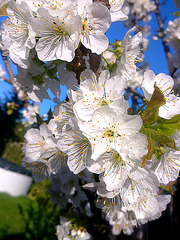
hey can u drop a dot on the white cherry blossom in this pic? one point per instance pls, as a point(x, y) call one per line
point(142, 7)
point(53, 4)
point(65, 231)
point(35, 82)
point(139, 184)
point(42, 156)
point(108, 130)
point(95, 20)
point(66, 77)
point(58, 36)
point(130, 55)
point(165, 83)
point(169, 166)
point(30, 113)
point(65, 184)
point(93, 94)
point(117, 167)
point(17, 36)
point(173, 33)
point(61, 118)
point(77, 147)
point(116, 12)
point(149, 207)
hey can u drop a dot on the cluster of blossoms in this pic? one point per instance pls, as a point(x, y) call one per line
point(67, 231)
point(139, 14)
point(55, 28)
point(173, 36)
point(39, 31)
point(141, 9)
point(94, 132)
point(30, 114)
point(93, 138)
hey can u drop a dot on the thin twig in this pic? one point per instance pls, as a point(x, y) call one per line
point(162, 33)
point(11, 79)
point(135, 93)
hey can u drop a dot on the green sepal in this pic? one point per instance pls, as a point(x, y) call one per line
point(39, 119)
point(37, 61)
point(56, 78)
point(150, 114)
point(58, 62)
point(38, 79)
point(168, 188)
point(168, 126)
point(112, 67)
point(69, 67)
point(51, 72)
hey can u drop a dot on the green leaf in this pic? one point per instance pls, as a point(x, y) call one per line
point(168, 188)
point(168, 126)
point(161, 138)
point(159, 152)
point(177, 13)
point(150, 113)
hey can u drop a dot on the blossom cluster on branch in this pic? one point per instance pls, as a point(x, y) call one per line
point(94, 140)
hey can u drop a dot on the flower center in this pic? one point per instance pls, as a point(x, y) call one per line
point(117, 160)
point(102, 102)
point(48, 4)
point(58, 30)
point(114, 5)
point(85, 26)
point(110, 133)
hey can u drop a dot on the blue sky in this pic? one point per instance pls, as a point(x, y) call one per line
point(155, 54)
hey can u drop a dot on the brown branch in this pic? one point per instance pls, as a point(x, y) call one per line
point(11, 79)
point(95, 63)
point(162, 32)
point(135, 93)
